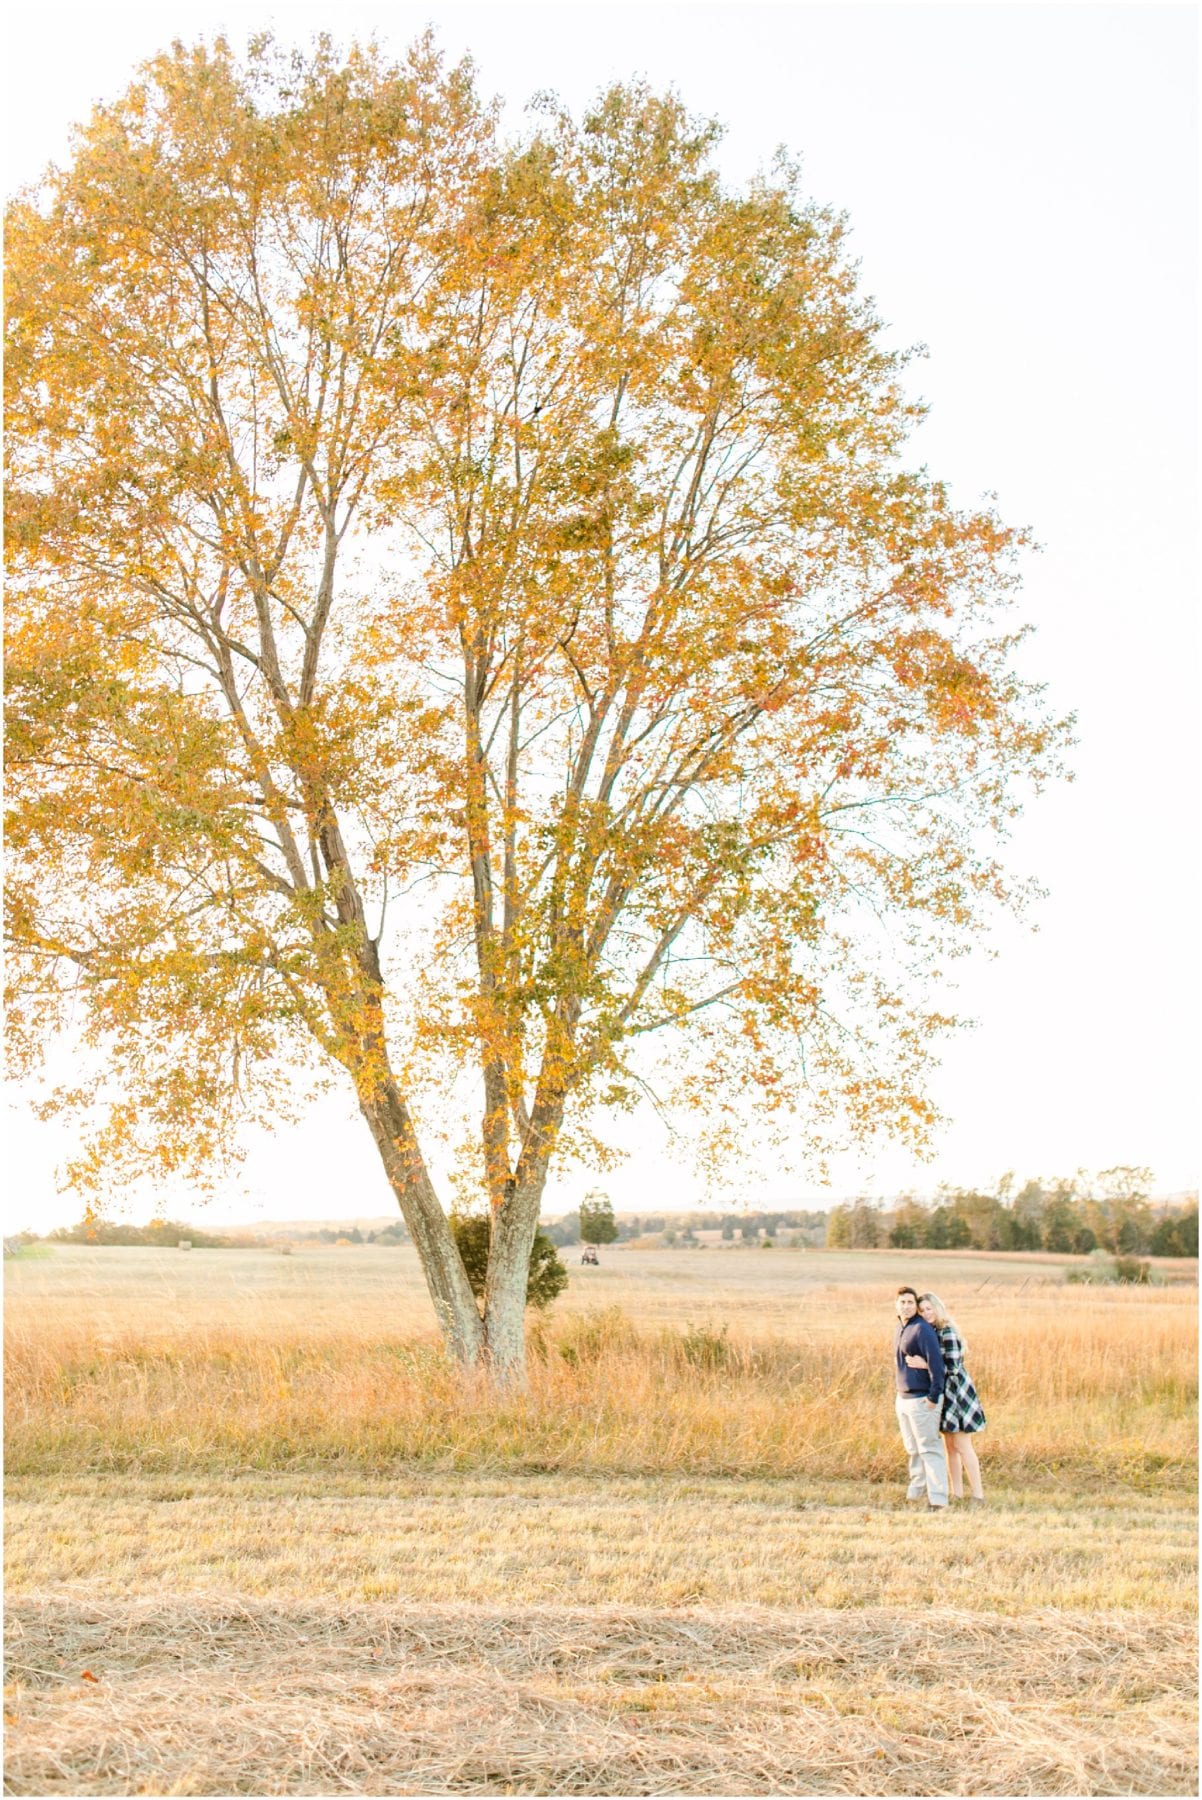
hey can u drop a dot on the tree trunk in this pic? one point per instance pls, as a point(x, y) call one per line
point(514, 1224)
point(450, 1291)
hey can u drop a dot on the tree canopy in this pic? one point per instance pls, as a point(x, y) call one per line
point(597, 1222)
point(470, 610)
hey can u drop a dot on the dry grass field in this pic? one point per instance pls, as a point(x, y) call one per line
point(259, 1540)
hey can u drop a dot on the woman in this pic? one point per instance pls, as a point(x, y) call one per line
point(962, 1411)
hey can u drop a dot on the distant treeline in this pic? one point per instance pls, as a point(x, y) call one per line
point(1111, 1212)
point(807, 1228)
point(1064, 1216)
point(387, 1234)
point(804, 1229)
point(169, 1232)
point(166, 1232)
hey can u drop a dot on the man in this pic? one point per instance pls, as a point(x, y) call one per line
point(920, 1401)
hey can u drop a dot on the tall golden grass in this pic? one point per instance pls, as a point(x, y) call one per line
point(1102, 1385)
point(262, 1538)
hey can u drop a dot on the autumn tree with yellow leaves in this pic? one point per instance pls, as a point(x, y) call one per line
point(469, 609)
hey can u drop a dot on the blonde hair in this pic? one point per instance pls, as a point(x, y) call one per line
point(942, 1316)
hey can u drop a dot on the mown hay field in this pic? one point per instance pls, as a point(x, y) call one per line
point(261, 1540)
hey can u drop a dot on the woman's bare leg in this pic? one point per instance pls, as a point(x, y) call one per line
point(955, 1478)
point(966, 1455)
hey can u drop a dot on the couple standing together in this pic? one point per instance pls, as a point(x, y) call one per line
point(937, 1405)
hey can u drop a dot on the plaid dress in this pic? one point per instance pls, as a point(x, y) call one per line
point(962, 1410)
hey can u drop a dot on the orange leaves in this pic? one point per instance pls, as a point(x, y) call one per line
point(958, 693)
point(506, 542)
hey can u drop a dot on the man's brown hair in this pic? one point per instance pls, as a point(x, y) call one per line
point(908, 1290)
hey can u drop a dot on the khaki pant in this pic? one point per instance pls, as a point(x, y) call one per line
point(919, 1422)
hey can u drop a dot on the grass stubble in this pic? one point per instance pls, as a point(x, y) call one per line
point(281, 1556)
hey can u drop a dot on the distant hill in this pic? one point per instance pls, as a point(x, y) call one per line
point(273, 1228)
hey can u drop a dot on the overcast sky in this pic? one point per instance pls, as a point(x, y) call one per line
point(1022, 186)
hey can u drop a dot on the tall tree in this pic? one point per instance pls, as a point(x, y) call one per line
point(597, 1222)
point(468, 610)
point(909, 1228)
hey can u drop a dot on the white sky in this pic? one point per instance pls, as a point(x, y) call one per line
point(1022, 184)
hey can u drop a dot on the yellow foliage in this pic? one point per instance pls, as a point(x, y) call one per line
point(518, 528)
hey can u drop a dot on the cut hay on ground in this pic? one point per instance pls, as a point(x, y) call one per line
point(218, 1696)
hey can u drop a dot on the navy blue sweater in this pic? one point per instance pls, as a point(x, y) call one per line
point(917, 1338)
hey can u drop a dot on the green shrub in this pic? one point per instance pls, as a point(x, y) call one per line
point(1102, 1267)
point(547, 1278)
point(588, 1337)
point(704, 1348)
point(1099, 1268)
